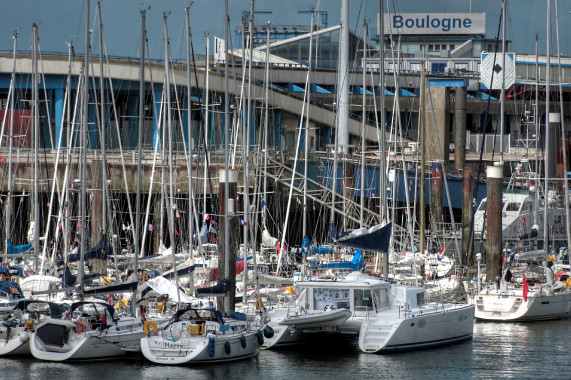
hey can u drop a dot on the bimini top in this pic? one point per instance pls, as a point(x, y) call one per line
point(352, 280)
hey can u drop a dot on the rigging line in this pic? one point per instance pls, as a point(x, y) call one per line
point(479, 171)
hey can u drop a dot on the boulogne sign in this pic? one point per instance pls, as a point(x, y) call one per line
point(435, 23)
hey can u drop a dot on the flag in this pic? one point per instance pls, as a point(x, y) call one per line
point(298, 201)
point(243, 222)
point(206, 217)
point(78, 224)
point(237, 198)
point(314, 206)
point(263, 203)
point(437, 172)
point(212, 230)
point(525, 288)
point(150, 227)
point(176, 232)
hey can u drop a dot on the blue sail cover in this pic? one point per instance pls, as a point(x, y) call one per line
point(101, 251)
point(323, 250)
point(375, 239)
point(218, 290)
point(17, 249)
point(356, 264)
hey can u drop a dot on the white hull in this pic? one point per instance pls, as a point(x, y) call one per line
point(386, 333)
point(95, 344)
point(17, 344)
point(200, 349)
point(511, 306)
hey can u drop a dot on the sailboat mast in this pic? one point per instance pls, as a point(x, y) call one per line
point(206, 122)
point(382, 194)
point(10, 144)
point(306, 137)
point(83, 171)
point(170, 196)
point(562, 118)
point(189, 133)
point(503, 91)
point(422, 157)
point(140, 148)
point(103, 126)
point(547, 129)
point(266, 122)
point(246, 147)
point(36, 121)
point(362, 189)
point(226, 154)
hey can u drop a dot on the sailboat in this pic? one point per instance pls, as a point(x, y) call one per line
point(527, 290)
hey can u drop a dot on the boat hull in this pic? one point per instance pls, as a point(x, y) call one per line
point(200, 349)
point(417, 331)
point(17, 344)
point(512, 307)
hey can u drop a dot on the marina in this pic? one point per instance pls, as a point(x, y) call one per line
point(287, 201)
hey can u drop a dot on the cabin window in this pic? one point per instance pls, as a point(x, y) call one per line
point(452, 46)
point(381, 298)
point(331, 299)
point(363, 299)
point(513, 206)
point(482, 206)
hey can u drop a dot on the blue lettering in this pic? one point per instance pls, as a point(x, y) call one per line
point(435, 23)
point(397, 21)
point(409, 23)
point(467, 23)
point(446, 24)
point(456, 23)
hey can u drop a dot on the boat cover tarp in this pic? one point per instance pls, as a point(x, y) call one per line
point(122, 287)
point(324, 250)
point(17, 249)
point(182, 269)
point(268, 240)
point(376, 238)
point(55, 309)
point(163, 286)
point(266, 279)
point(21, 272)
point(101, 251)
point(356, 264)
point(110, 309)
point(218, 290)
point(52, 335)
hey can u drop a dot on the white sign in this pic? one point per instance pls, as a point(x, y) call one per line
point(492, 65)
point(434, 23)
point(219, 49)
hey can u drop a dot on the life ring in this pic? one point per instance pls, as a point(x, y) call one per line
point(522, 220)
point(78, 329)
point(146, 327)
point(274, 258)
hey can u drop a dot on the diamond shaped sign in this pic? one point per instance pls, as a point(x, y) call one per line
point(491, 67)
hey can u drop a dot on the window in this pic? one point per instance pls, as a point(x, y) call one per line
point(443, 47)
point(363, 299)
point(430, 47)
point(513, 206)
point(436, 47)
point(452, 46)
point(482, 206)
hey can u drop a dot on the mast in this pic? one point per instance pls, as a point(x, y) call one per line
point(246, 149)
point(170, 196)
point(266, 122)
point(382, 195)
point(306, 137)
point(563, 139)
point(140, 147)
point(36, 121)
point(503, 91)
point(11, 141)
point(547, 129)
point(189, 133)
point(83, 171)
point(536, 123)
point(103, 129)
point(422, 157)
point(362, 189)
point(226, 153)
point(206, 120)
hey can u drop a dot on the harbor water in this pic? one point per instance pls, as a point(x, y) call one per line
point(497, 351)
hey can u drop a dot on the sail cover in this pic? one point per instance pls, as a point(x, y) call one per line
point(376, 238)
point(17, 249)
